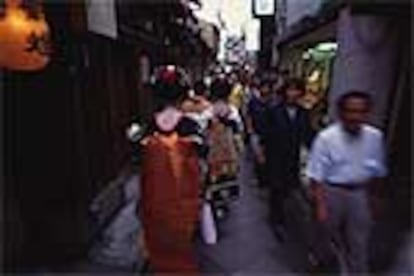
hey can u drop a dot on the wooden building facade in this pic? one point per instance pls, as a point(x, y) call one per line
point(65, 126)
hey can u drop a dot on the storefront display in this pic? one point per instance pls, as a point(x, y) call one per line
point(316, 70)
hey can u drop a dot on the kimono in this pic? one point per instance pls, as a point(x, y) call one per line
point(224, 143)
point(171, 196)
point(199, 110)
point(225, 148)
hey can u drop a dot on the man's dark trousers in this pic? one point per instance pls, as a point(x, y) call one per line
point(284, 137)
point(281, 188)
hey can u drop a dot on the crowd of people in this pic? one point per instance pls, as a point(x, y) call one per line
point(192, 149)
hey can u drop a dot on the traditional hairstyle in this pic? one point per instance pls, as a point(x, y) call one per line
point(200, 88)
point(293, 83)
point(170, 85)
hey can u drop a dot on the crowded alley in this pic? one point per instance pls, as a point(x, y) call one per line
point(206, 137)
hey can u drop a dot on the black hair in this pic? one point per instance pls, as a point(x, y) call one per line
point(353, 94)
point(220, 89)
point(171, 84)
point(200, 88)
point(265, 82)
point(292, 83)
point(169, 92)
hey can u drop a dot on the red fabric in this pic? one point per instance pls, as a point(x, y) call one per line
point(169, 76)
point(170, 196)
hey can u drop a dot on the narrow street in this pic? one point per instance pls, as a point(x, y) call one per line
point(246, 244)
point(97, 92)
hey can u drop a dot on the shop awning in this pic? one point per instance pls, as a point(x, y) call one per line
point(312, 29)
point(319, 33)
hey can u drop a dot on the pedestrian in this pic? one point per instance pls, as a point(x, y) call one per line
point(251, 85)
point(170, 179)
point(288, 129)
point(256, 121)
point(225, 146)
point(346, 161)
point(237, 94)
point(197, 106)
point(223, 108)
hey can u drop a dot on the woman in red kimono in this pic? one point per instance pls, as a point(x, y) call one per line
point(170, 180)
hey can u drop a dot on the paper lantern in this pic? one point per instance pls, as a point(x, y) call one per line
point(24, 38)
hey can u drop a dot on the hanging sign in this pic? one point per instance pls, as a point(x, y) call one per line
point(264, 7)
point(101, 17)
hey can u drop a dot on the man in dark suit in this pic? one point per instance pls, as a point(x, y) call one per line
point(288, 129)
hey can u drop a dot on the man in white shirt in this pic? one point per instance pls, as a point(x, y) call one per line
point(346, 160)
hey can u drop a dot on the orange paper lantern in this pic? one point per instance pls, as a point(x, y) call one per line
point(24, 40)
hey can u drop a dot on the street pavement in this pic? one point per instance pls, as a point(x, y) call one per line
point(246, 246)
point(117, 247)
point(403, 263)
point(246, 243)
